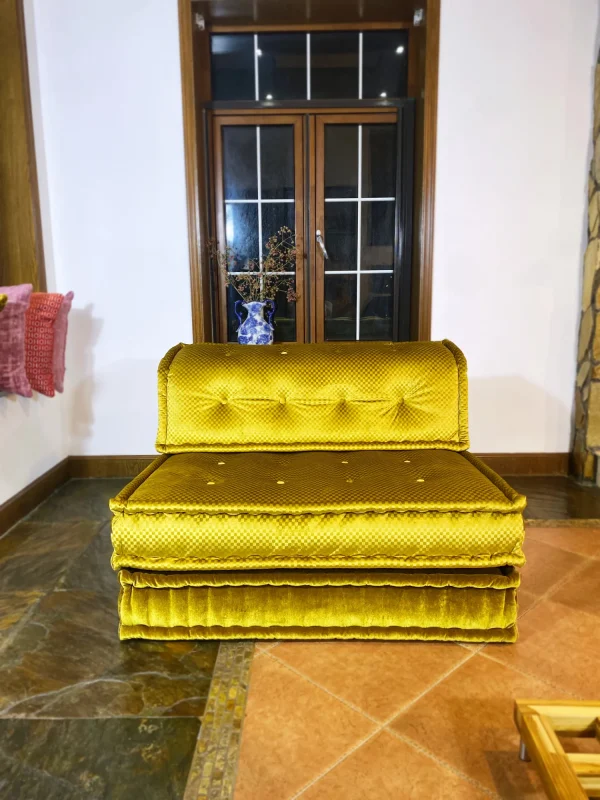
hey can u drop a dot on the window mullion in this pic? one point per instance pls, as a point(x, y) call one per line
point(256, 86)
point(259, 206)
point(358, 232)
point(308, 87)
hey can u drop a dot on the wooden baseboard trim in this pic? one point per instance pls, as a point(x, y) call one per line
point(108, 466)
point(527, 463)
point(32, 495)
point(130, 466)
point(504, 463)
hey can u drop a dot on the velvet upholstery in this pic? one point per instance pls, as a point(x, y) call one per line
point(429, 508)
point(342, 396)
point(317, 491)
point(320, 604)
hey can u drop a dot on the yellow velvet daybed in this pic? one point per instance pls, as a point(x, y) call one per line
point(316, 491)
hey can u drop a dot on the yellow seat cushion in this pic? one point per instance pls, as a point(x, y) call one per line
point(354, 509)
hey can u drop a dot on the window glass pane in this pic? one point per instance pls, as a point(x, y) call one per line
point(379, 160)
point(241, 231)
point(334, 65)
point(341, 161)
point(232, 66)
point(376, 307)
point(277, 162)
point(341, 223)
point(284, 319)
point(232, 321)
point(385, 63)
point(377, 234)
point(282, 66)
point(340, 307)
point(274, 217)
point(239, 162)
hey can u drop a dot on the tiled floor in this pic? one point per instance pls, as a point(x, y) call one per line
point(378, 720)
point(556, 497)
point(83, 715)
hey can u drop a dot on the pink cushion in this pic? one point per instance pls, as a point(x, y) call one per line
point(60, 341)
point(39, 340)
point(13, 378)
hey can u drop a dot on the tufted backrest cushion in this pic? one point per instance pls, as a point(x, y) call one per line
point(335, 396)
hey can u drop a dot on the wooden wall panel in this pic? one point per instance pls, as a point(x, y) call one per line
point(21, 252)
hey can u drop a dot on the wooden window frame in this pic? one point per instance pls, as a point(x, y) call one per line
point(423, 86)
point(21, 245)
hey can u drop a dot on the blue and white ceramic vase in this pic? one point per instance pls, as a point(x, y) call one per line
point(255, 329)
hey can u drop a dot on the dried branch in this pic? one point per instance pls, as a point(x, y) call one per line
point(260, 281)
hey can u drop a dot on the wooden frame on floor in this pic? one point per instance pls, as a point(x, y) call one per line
point(565, 776)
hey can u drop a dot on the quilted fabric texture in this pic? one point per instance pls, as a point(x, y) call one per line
point(344, 396)
point(39, 340)
point(60, 342)
point(470, 605)
point(433, 508)
point(13, 378)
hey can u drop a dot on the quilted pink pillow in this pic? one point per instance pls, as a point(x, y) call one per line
point(13, 378)
point(60, 341)
point(39, 340)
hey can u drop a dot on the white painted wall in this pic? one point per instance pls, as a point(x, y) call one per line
point(112, 126)
point(514, 130)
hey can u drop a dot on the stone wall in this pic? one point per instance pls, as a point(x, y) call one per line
point(586, 443)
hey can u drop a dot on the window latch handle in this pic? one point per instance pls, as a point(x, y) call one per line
point(322, 244)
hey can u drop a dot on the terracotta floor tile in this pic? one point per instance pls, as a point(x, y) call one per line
point(526, 600)
point(467, 721)
point(293, 731)
point(558, 645)
point(585, 541)
point(265, 646)
point(378, 677)
point(545, 566)
point(387, 769)
point(583, 591)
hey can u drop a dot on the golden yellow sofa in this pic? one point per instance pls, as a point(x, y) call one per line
point(316, 491)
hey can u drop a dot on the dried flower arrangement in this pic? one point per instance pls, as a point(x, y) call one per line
point(256, 281)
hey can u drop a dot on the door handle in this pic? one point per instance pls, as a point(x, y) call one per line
point(322, 244)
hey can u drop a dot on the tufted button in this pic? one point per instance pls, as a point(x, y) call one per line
point(220, 463)
point(407, 461)
point(280, 481)
point(349, 480)
point(344, 462)
point(224, 401)
point(210, 483)
point(282, 401)
point(420, 480)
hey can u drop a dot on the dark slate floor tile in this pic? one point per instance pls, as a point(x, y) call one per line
point(33, 555)
point(557, 497)
point(13, 607)
point(79, 499)
point(64, 656)
point(77, 759)
point(92, 569)
point(66, 660)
